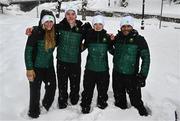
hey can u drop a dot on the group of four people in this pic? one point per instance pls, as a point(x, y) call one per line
point(127, 47)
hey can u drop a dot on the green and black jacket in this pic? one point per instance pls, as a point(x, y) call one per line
point(128, 51)
point(98, 43)
point(36, 56)
point(70, 40)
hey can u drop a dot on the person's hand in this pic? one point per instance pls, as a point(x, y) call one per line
point(141, 80)
point(112, 37)
point(29, 31)
point(30, 75)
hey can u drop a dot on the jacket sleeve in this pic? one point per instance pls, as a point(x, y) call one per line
point(145, 56)
point(57, 34)
point(85, 28)
point(111, 45)
point(29, 49)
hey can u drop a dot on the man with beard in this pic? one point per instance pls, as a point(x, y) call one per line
point(129, 48)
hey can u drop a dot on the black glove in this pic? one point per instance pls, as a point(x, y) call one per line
point(141, 80)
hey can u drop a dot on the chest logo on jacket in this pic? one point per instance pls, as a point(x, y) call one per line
point(77, 29)
point(104, 40)
point(131, 40)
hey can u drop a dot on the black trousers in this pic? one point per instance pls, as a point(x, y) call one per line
point(123, 84)
point(91, 78)
point(49, 79)
point(71, 71)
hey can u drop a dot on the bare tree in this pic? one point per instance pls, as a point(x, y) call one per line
point(58, 8)
point(83, 10)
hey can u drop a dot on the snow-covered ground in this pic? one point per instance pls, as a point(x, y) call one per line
point(161, 94)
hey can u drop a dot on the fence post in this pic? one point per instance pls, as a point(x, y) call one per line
point(161, 14)
point(142, 22)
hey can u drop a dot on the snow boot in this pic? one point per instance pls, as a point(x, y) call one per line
point(33, 115)
point(142, 111)
point(34, 112)
point(86, 110)
point(62, 105)
point(121, 105)
point(102, 105)
point(74, 101)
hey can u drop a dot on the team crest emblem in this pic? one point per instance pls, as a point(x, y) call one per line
point(104, 39)
point(77, 29)
point(131, 40)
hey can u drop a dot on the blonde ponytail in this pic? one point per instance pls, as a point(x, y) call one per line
point(50, 39)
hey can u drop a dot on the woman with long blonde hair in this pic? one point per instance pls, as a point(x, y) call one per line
point(39, 64)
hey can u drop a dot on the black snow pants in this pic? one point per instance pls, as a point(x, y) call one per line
point(91, 79)
point(71, 71)
point(49, 79)
point(123, 84)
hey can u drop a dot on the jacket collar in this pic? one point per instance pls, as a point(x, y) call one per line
point(66, 24)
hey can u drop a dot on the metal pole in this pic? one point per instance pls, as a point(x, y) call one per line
point(109, 3)
point(37, 9)
point(161, 14)
point(142, 22)
point(2, 8)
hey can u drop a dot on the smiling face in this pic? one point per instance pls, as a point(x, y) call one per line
point(48, 25)
point(71, 16)
point(126, 29)
point(98, 26)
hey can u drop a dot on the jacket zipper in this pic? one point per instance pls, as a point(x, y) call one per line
point(97, 37)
